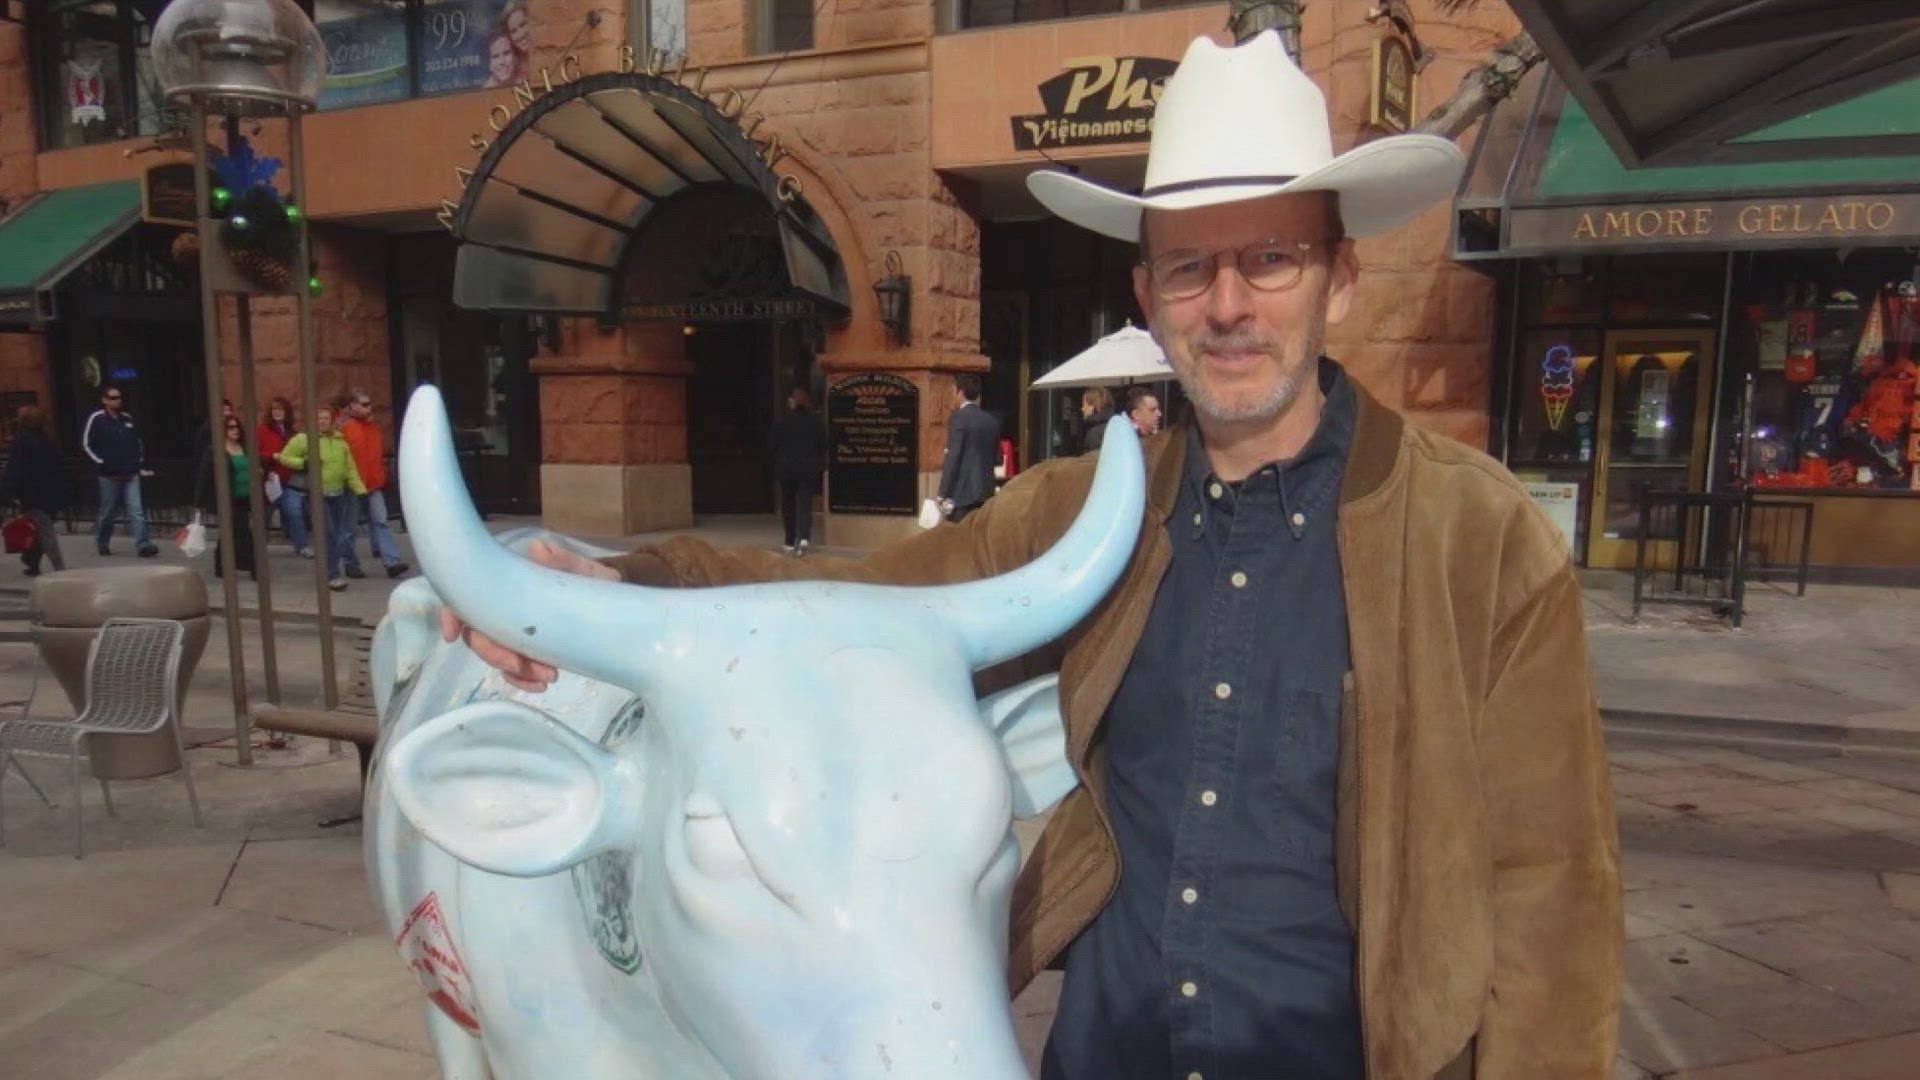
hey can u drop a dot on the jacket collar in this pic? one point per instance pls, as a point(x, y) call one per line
point(1370, 459)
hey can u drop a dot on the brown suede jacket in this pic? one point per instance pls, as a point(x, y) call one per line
point(1476, 847)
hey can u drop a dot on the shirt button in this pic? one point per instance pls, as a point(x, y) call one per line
point(1208, 798)
point(1239, 579)
point(1188, 989)
point(1222, 691)
point(1299, 519)
point(1196, 519)
point(1214, 489)
point(1189, 896)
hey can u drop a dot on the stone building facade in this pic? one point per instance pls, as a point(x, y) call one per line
point(900, 123)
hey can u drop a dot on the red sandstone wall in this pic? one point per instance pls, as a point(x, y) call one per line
point(22, 356)
point(351, 330)
point(1421, 335)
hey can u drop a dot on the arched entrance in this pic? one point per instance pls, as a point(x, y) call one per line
point(634, 200)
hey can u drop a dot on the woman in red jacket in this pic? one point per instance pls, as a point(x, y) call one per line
point(273, 433)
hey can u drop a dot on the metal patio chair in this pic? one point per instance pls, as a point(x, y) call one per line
point(131, 682)
point(27, 636)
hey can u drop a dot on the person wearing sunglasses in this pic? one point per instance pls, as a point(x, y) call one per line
point(112, 440)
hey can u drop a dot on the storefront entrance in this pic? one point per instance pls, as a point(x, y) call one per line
point(1654, 406)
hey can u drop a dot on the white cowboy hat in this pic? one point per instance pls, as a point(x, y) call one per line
point(1242, 122)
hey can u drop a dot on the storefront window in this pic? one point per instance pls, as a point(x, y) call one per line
point(95, 77)
point(1830, 346)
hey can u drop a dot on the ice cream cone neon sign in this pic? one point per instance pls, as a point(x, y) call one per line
point(1556, 384)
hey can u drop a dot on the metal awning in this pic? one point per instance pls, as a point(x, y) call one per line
point(1671, 82)
point(50, 236)
point(1542, 179)
point(549, 219)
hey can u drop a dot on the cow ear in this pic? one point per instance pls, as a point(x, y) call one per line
point(1027, 719)
point(510, 790)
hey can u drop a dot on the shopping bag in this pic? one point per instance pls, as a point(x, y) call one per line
point(272, 490)
point(929, 513)
point(19, 534)
point(192, 540)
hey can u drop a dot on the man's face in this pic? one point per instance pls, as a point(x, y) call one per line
point(325, 416)
point(1242, 352)
point(1146, 415)
point(111, 400)
point(361, 409)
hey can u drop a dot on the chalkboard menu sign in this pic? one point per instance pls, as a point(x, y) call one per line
point(873, 423)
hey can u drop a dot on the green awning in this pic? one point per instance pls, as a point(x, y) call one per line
point(47, 238)
point(1580, 166)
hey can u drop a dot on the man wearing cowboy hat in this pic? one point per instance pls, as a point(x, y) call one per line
point(1344, 806)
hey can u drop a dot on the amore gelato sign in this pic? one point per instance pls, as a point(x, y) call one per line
point(1095, 100)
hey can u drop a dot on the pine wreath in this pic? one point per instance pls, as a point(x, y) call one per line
point(259, 231)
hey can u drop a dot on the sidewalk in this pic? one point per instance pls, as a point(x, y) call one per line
point(1838, 668)
point(1773, 894)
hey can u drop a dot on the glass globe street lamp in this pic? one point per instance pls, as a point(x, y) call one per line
point(253, 59)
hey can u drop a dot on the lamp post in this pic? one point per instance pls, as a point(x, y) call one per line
point(250, 59)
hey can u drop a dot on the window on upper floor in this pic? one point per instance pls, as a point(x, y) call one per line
point(92, 71)
point(783, 25)
point(970, 14)
point(665, 28)
point(386, 50)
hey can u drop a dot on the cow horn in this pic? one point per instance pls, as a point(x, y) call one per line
point(999, 618)
point(558, 618)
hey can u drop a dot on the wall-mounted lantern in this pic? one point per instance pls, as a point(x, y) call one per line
point(895, 291)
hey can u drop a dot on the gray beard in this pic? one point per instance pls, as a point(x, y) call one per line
point(1276, 402)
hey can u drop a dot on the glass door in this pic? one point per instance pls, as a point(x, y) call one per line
point(1654, 406)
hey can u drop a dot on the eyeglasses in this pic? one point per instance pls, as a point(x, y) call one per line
point(1267, 265)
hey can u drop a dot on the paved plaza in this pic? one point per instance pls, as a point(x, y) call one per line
point(1773, 882)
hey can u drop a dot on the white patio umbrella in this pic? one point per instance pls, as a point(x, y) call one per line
point(1128, 355)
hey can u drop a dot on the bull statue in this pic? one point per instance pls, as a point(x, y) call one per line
point(758, 832)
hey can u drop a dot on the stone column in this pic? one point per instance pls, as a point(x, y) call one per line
point(1422, 330)
point(613, 423)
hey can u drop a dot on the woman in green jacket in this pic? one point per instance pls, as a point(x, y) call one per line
point(339, 484)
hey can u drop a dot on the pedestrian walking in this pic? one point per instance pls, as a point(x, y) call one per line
point(36, 485)
point(799, 447)
point(240, 479)
point(1096, 408)
point(369, 448)
point(112, 440)
point(1143, 408)
point(273, 431)
point(973, 445)
point(339, 484)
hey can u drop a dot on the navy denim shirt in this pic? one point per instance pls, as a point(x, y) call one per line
point(1224, 954)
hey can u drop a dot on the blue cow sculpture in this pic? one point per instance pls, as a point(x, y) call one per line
point(757, 832)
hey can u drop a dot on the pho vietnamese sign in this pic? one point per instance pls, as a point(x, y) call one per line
point(1095, 100)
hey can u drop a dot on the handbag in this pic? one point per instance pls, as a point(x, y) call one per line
point(192, 540)
point(19, 534)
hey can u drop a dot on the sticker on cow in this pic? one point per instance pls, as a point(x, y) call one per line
point(811, 814)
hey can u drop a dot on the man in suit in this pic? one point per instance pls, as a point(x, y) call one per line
point(973, 445)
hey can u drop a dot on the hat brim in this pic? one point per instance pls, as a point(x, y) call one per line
point(1381, 185)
